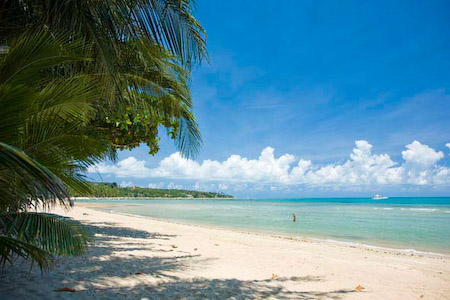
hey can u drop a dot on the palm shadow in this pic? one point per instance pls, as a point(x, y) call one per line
point(139, 276)
point(200, 288)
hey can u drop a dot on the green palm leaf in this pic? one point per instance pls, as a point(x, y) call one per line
point(36, 179)
point(12, 247)
point(80, 79)
point(54, 234)
point(133, 45)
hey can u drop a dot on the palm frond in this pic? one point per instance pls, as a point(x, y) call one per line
point(170, 23)
point(189, 139)
point(12, 247)
point(36, 179)
point(47, 119)
point(34, 51)
point(134, 45)
point(56, 235)
point(71, 68)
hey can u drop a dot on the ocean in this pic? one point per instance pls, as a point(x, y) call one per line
point(410, 224)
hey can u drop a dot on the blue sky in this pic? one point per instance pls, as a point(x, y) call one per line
point(309, 79)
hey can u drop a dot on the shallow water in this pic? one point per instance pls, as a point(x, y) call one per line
point(422, 224)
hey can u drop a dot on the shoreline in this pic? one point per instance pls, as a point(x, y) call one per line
point(347, 243)
point(134, 257)
point(148, 198)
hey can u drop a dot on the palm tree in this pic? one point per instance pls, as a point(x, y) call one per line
point(45, 146)
point(80, 80)
point(142, 52)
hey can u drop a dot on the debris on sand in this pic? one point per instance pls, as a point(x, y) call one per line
point(65, 289)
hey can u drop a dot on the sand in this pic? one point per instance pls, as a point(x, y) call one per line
point(141, 258)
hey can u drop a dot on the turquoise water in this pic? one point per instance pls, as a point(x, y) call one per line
point(422, 224)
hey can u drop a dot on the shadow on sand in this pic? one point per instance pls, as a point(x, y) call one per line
point(94, 276)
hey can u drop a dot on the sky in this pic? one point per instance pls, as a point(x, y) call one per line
point(313, 99)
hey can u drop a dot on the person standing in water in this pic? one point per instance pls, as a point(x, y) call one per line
point(294, 217)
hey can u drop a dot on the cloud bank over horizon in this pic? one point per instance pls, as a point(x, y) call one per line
point(362, 168)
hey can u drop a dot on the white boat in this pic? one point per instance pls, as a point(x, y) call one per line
point(379, 197)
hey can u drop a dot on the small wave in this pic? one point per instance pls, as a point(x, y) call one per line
point(423, 209)
point(368, 246)
point(129, 215)
point(411, 209)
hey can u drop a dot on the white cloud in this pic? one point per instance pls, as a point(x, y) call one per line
point(363, 167)
point(124, 168)
point(420, 154)
point(174, 186)
point(420, 165)
point(127, 184)
point(154, 185)
point(222, 186)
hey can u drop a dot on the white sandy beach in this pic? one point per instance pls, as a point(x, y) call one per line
point(141, 258)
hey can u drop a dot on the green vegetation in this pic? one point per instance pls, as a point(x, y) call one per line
point(80, 80)
point(105, 189)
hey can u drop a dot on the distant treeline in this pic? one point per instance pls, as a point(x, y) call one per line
point(111, 189)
